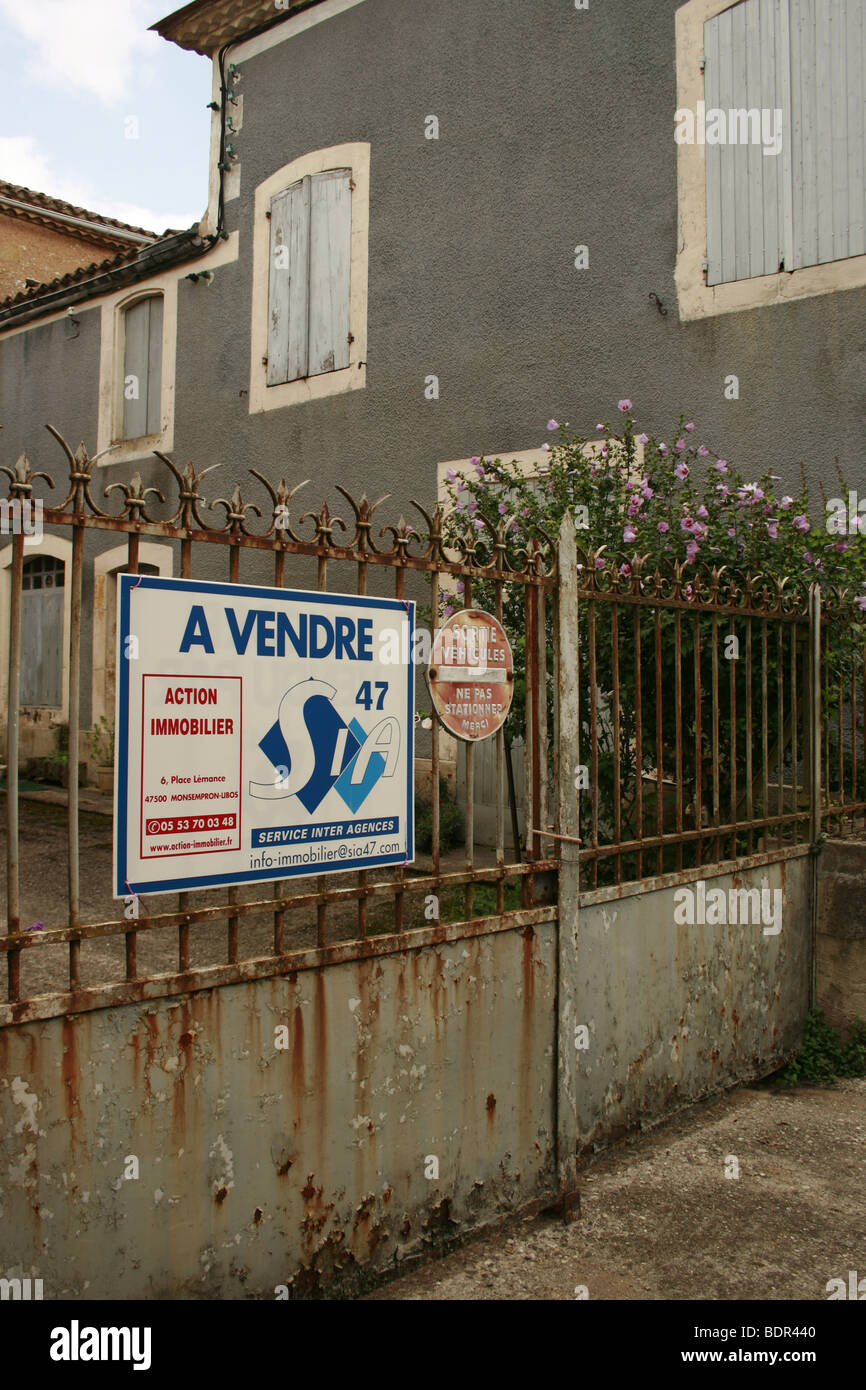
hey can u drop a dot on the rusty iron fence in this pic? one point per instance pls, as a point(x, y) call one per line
point(721, 717)
point(843, 704)
point(338, 917)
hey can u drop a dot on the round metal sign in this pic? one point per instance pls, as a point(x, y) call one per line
point(471, 675)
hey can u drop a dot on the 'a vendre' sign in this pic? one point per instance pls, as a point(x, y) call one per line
point(261, 734)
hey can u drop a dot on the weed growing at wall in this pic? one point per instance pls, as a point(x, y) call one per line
point(824, 1057)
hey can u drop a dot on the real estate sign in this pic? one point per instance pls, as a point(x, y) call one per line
point(261, 734)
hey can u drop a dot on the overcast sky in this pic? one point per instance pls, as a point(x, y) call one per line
point(77, 76)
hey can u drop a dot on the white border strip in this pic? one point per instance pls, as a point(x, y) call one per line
point(260, 43)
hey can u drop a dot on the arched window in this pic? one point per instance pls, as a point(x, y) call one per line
point(42, 631)
point(142, 368)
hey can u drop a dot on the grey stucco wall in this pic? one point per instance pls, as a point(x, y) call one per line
point(556, 130)
point(674, 1011)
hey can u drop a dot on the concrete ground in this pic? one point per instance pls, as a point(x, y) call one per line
point(660, 1219)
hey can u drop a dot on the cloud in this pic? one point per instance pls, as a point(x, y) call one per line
point(22, 162)
point(90, 45)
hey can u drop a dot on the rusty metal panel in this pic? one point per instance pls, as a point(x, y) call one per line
point(282, 1130)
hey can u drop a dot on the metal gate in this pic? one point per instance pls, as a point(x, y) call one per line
point(340, 553)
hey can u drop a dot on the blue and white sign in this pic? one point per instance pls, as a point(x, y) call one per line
point(261, 734)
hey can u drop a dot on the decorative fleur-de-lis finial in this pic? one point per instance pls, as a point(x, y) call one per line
point(135, 497)
point(363, 510)
point(402, 535)
point(189, 497)
point(281, 498)
point(677, 585)
point(80, 477)
point(434, 531)
point(21, 479)
point(324, 524)
point(236, 509)
point(500, 543)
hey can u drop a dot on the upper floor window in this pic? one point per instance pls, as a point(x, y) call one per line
point(771, 136)
point(309, 301)
point(786, 136)
point(142, 337)
point(310, 271)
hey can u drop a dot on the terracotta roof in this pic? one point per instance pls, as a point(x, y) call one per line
point(72, 277)
point(126, 266)
point(17, 201)
point(205, 25)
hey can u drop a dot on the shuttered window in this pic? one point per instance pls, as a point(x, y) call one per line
point(308, 292)
point(42, 586)
point(805, 205)
point(142, 368)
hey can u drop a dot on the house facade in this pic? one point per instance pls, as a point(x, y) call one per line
point(433, 226)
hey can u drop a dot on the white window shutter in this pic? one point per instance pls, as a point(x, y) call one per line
point(746, 218)
point(806, 205)
point(330, 263)
point(153, 420)
point(288, 297)
point(142, 368)
point(136, 322)
point(828, 97)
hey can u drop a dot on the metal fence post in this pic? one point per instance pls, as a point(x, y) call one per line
point(13, 906)
point(815, 789)
point(567, 756)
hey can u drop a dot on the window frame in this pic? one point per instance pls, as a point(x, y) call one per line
point(107, 564)
point(695, 297)
point(262, 397)
point(110, 444)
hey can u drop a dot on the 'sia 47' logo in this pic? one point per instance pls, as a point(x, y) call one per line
point(313, 749)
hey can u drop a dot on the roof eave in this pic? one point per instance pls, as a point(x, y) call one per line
point(185, 246)
point(189, 27)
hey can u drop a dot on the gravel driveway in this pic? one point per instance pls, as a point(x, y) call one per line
point(660, 1220)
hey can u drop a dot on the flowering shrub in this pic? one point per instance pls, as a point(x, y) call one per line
point(642, 504)
point(678, 502)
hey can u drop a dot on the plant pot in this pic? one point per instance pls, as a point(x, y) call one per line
point(105, 779)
